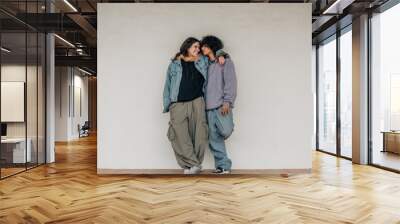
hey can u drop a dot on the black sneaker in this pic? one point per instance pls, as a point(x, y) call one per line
point(221, 171)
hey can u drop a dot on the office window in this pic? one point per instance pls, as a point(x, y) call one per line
point(385, 89)
point(314, 84)
point(327, 96)
point(346, 93)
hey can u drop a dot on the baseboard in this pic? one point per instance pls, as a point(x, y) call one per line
point(204, 172)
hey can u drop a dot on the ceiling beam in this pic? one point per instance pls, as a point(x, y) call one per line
point(82, 61)
point(84, 24)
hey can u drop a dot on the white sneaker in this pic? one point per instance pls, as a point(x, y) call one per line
point(195, 170)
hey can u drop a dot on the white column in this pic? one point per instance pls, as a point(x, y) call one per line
point(50, 110)
point(50, 92)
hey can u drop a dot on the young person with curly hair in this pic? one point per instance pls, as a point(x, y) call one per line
point(221, 88)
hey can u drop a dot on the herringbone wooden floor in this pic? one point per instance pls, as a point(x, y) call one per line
point(69, 191)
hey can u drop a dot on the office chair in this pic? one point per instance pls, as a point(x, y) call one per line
point(84, 130)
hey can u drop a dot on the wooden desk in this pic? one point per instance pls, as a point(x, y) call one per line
point(391, 142)
point(13, 150)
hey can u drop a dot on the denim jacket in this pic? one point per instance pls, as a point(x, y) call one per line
point(174, 76)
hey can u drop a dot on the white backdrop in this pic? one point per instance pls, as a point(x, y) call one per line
point(270, 45)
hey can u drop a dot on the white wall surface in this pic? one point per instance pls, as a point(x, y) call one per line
point(270, 45)
point(81, 96)
point(69, 81)
point(62, 81)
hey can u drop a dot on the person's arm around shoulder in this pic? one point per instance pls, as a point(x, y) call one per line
point(204, 60)
point(221, 55)
point(167, 92)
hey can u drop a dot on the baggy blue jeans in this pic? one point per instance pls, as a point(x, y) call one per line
point(220, 128)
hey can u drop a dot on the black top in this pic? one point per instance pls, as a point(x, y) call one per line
point(191, 86)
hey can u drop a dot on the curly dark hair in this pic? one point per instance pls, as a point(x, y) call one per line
point(213, 42)
point(183, 50)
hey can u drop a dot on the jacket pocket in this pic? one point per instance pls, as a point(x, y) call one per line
point(171, 132)
point(172, 105)
point(224, 124)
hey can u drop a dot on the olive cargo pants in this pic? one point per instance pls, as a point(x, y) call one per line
point(188, 132)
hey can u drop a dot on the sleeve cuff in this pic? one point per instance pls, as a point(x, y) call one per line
point(230, 102)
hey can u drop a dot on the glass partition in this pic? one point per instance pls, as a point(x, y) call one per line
point(41, 97)
point(327, 96)
point(14, 153)
point(22, 101)
point(32, 95)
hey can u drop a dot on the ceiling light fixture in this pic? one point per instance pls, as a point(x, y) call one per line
point(84, 71)
point(5, 50)
point(337, 7)
point(70, 5)
point(326, 11)
point(64, 40)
